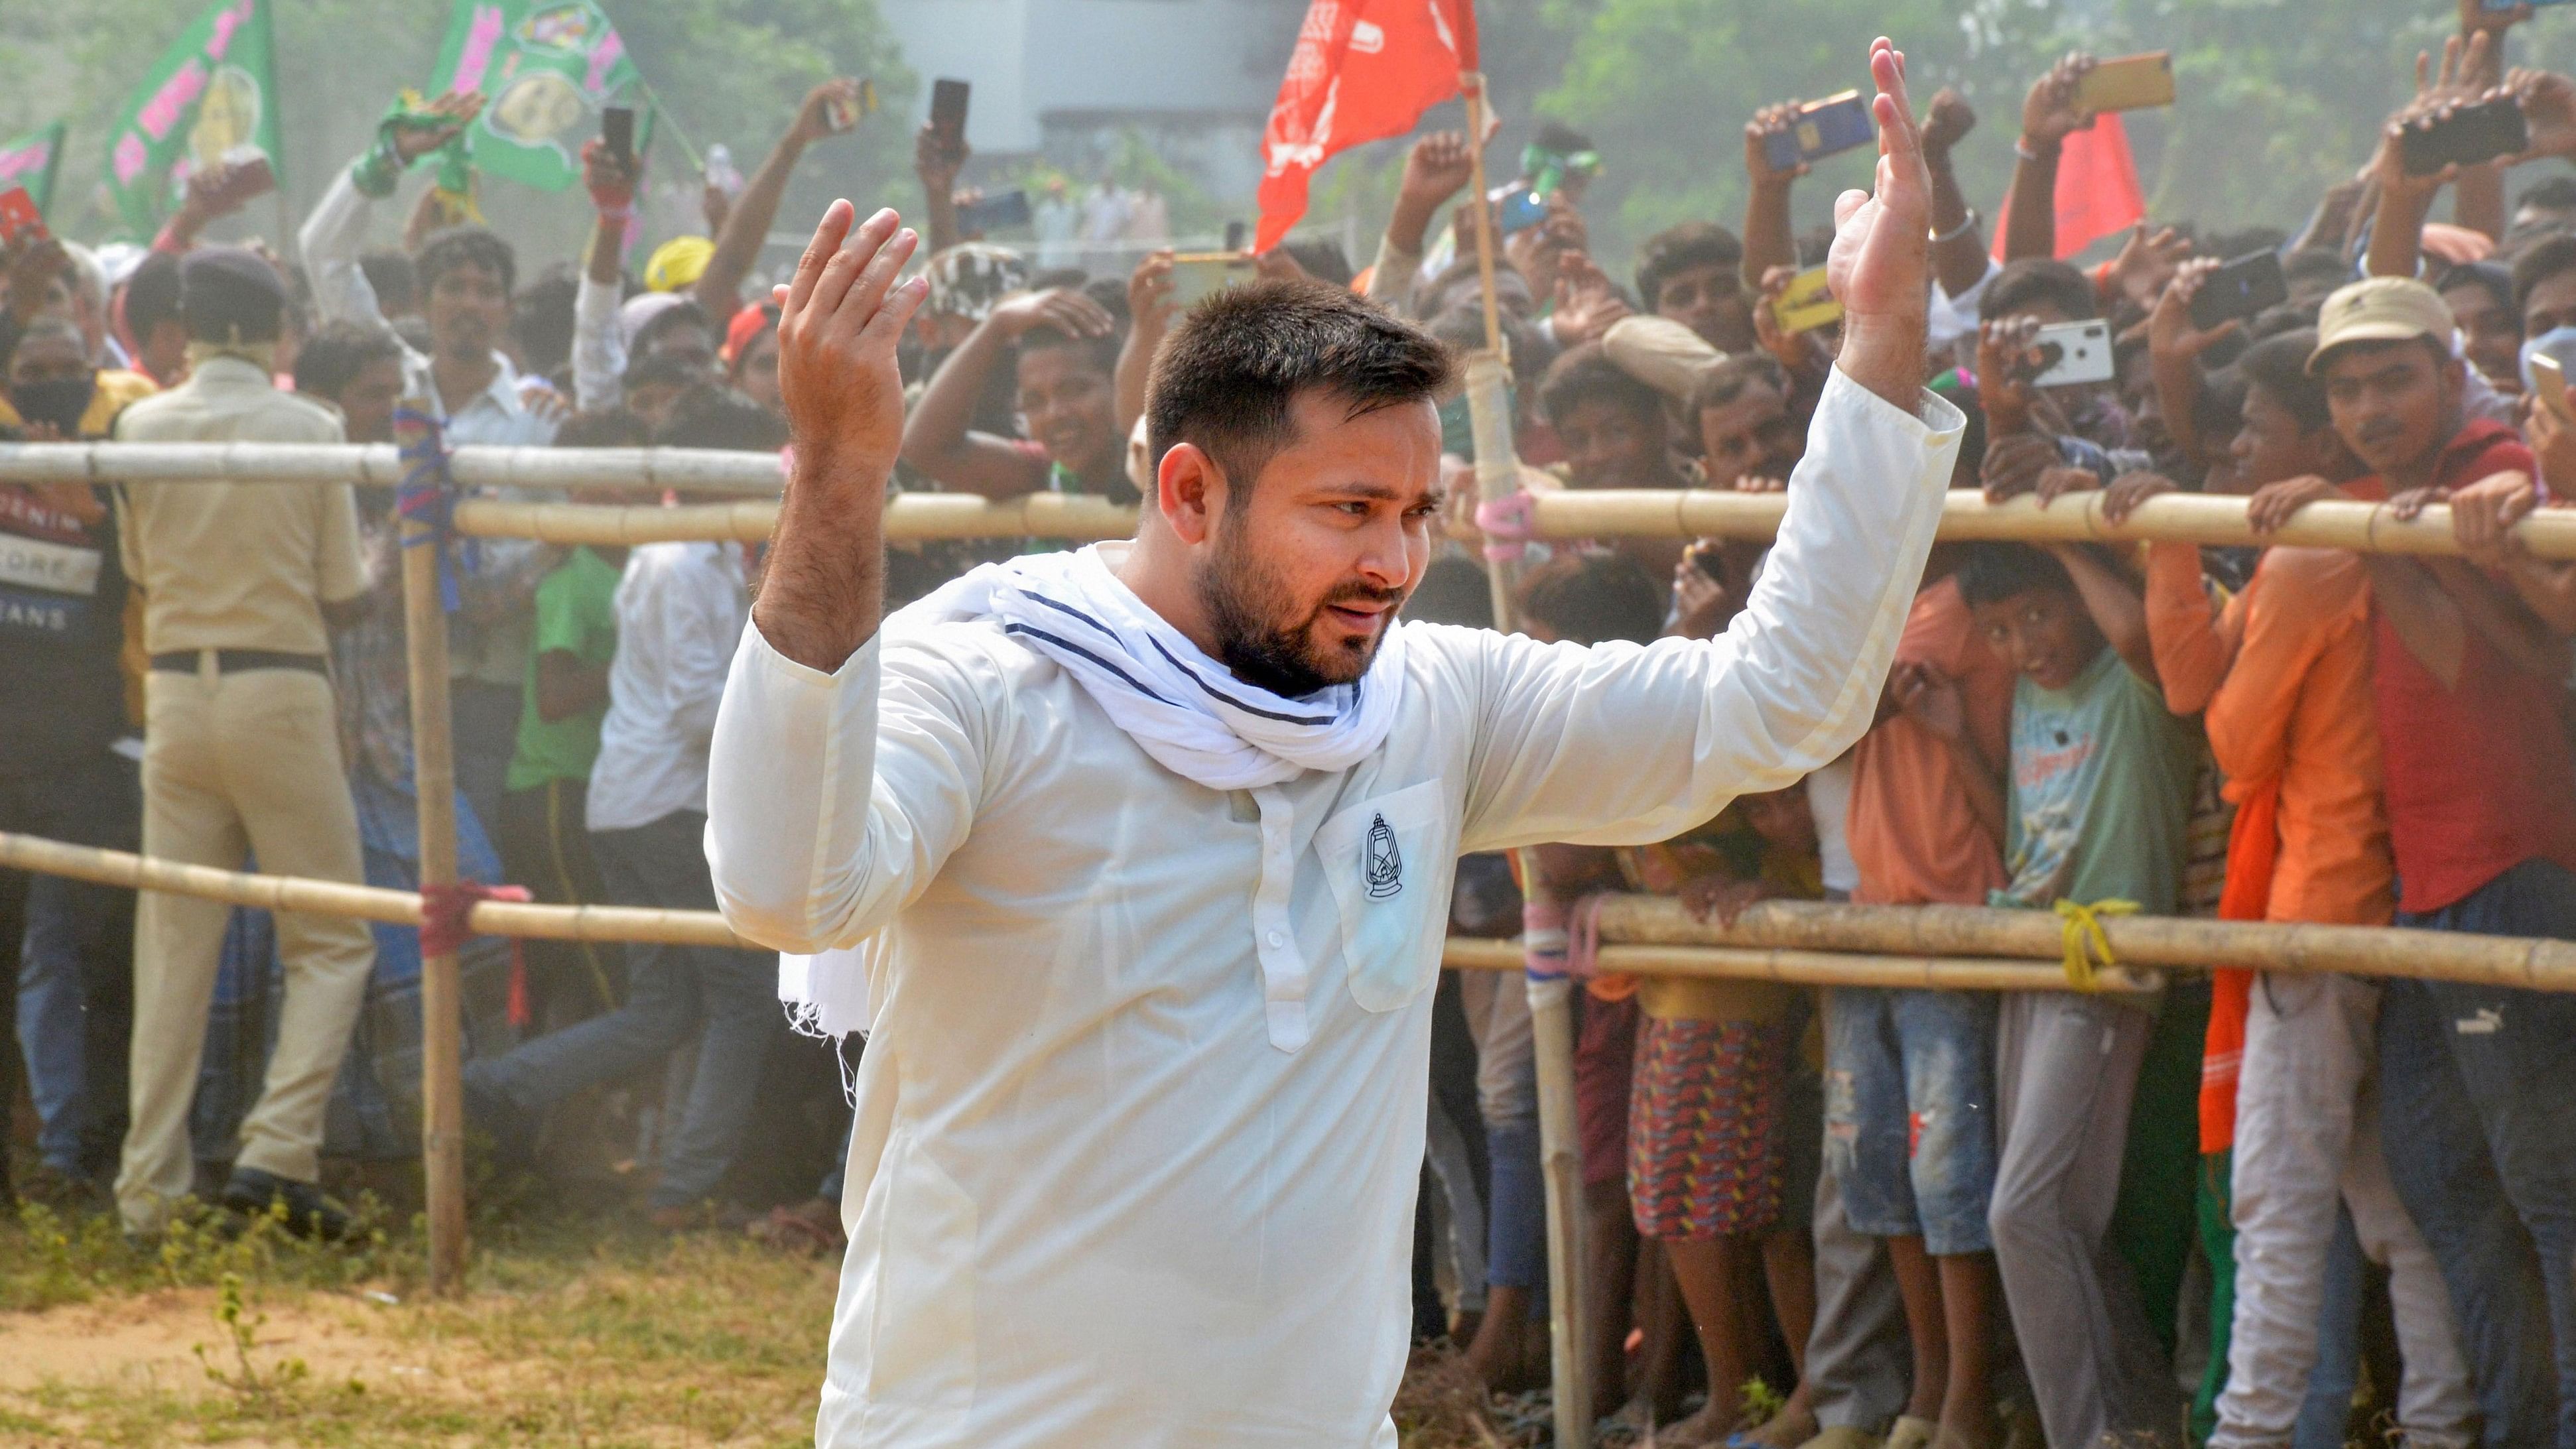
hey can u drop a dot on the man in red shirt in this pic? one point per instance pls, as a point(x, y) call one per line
point(2481, 787)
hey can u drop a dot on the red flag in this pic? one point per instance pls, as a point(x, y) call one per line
point(2097, 188)
point(1363, 70)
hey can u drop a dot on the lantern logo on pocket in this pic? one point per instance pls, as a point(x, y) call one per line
point(1385, 873)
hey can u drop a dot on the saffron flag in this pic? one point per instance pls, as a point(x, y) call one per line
point(31, 161)
point(2097, 188)
point(1363, 70)
point(211, 100)
point(546, 70)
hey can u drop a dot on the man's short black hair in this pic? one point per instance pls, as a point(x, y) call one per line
point(2316, 266)
point(662, 371)
point(2546, 258)
point(2279, 366)
point(2035, 280)
point(541, 319)
point(1593, 598)
point(603, 428)
point(715, 417)
point(1726, 382)
point(1228, 377)
point(1323, 260)
point(1585, 373)
point(1677, 249)
point(684, 313)
point(152, 295)
point(465, 246)
point(2487, 277)
point(394, 280)
point(1995, 572)
point(1554, 135)
point(332, 358)
point(2549, 193)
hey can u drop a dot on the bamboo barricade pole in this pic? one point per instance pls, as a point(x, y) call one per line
point(296, 894)
point(442, 1057)
point(912, 517)
point(2190, 942)
point(1811, 968)
point(1805, 941)
point(1608, 513)
point(1550, 1001)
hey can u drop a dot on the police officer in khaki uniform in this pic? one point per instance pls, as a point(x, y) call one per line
point(241, 749)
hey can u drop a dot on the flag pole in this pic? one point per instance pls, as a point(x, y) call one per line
point(1550, 999)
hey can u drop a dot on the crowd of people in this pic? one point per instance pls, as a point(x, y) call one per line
point(2250, 1209)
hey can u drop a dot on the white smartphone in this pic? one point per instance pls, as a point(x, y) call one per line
point(2073, 352)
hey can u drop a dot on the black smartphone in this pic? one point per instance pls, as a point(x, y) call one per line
point(1233, 236)
point(2245, 286)
point(992, 213)
point(948, 110)
point(617, 134)
point(2468, 136)
point(1710, 562)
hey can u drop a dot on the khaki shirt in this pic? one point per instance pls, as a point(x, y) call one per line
point(236, 565)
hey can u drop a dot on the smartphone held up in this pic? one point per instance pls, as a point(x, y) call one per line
point(1821, 128)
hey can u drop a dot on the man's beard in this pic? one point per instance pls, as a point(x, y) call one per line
point(1249, 608)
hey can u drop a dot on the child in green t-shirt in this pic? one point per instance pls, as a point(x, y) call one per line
point(544, 833)
point(567, 685)
point(2099, 807)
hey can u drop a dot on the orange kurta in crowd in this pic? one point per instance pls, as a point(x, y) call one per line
point(1913, 833)
point(2289, 698)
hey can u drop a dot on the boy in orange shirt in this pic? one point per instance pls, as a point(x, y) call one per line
point(2284, 676)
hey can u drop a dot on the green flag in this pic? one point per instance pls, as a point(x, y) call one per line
point(546, 68)
point(212, 99)
point(31, 161)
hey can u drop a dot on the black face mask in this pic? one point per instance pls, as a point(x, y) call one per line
point(57, 400)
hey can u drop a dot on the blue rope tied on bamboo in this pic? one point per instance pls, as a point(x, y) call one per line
point(427, 496)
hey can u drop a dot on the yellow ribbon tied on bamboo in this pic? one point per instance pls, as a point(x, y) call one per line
point(2088, 948)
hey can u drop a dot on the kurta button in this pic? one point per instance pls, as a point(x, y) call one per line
point(1278, 939)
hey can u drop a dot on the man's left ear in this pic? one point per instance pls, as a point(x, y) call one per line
point(1189, 489)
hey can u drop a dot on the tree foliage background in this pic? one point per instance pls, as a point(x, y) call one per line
point(2279, 98)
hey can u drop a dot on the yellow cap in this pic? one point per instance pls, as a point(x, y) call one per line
point(2381, 309)
point(677, 263)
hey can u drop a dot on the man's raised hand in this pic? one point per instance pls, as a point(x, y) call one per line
point(1881, 256)
point(838, 324)
point(824, 584)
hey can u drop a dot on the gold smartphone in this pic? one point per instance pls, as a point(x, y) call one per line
point(1196, 275)
point(2551, 380)
point(1807, 304)
point(2130, 83)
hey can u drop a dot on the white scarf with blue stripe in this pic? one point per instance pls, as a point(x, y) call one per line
point(1188, 711)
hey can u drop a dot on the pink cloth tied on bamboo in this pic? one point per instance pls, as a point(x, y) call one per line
point(1506, 523)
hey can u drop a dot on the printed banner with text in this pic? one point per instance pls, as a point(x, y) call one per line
point(545, 70)
point(31, 161)
point(211, 100)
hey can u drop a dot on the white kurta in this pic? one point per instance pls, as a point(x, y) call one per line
point(1141, 1121)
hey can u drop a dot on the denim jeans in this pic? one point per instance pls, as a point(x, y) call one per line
point(67, 962)
point(671, 992)
point(1910, 1113)
point(2476, 1086)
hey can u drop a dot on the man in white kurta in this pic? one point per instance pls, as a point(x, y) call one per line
point(1140, 1121)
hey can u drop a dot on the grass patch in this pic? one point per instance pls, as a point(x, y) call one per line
point(570, 1333)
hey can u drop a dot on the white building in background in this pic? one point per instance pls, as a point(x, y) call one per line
point(1066, 79)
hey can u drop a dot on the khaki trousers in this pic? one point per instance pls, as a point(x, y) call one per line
point(236, 765)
